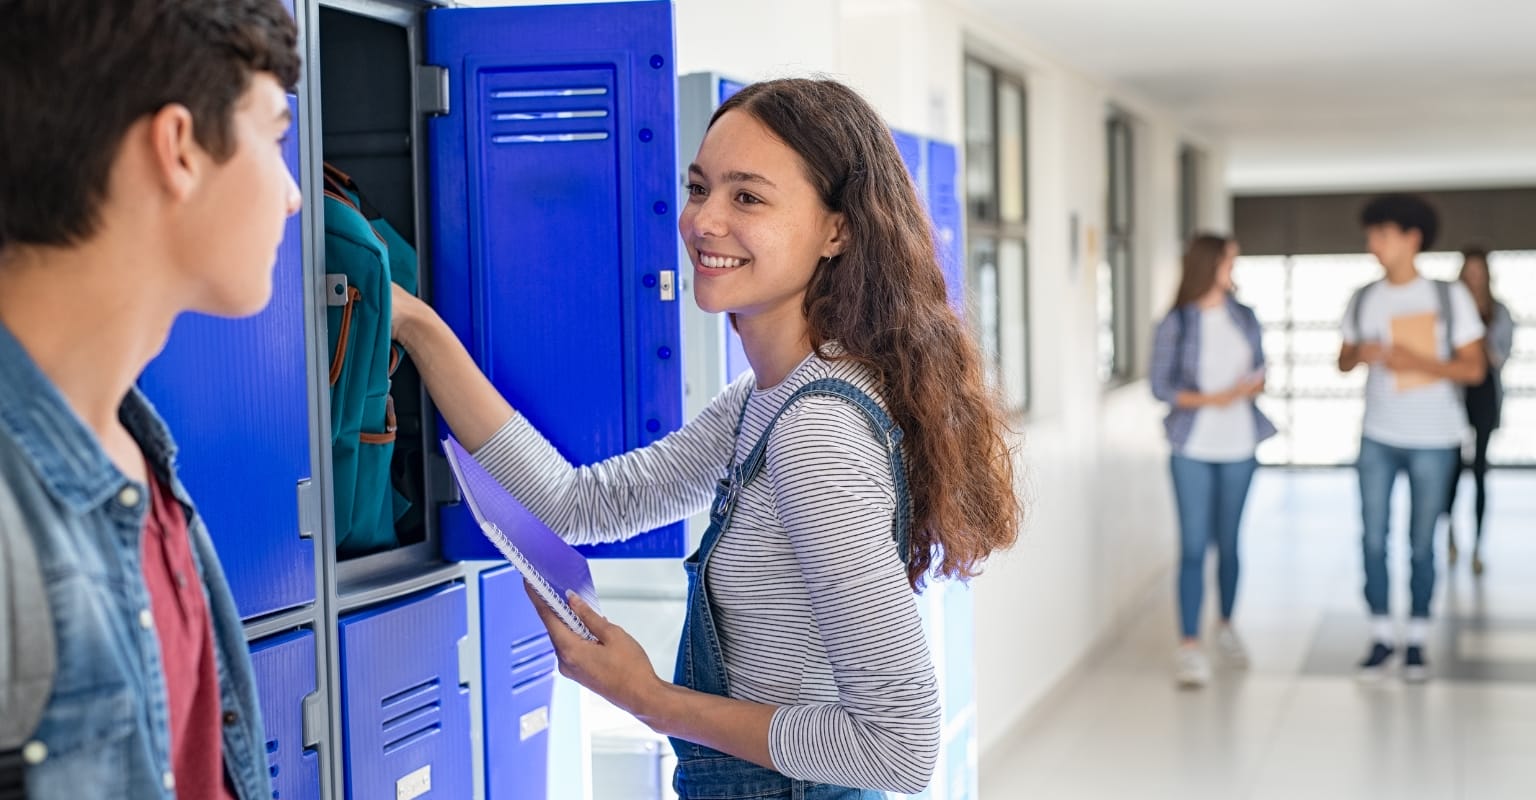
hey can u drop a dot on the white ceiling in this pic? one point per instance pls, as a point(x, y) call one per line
point(1320, 94)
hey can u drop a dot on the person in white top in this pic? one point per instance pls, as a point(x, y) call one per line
point(863, 454)
point(1422, 340)
point(1208, 365)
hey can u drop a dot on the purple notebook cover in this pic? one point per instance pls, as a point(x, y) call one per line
point(545, 560)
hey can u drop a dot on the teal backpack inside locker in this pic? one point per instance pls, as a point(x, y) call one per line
point(363, 256)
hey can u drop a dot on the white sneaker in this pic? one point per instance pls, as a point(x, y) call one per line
point(1232, 650)
point(1193, 671)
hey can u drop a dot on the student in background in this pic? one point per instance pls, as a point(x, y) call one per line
point(1484, 401)
point(141, 176)
point(1421, 340)
point(1208, 365)
point(862, 453)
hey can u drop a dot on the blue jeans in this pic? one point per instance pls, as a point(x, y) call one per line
point(1430, 472)
point(1210, 498)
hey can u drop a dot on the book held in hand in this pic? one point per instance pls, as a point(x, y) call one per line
point(550, 566)
point(1415, 333)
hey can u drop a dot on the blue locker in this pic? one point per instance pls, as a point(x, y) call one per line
point(405, 717)
point(910, 145)
point(555, 237)
point(728, 87)
point(959, 649)
point(234, 393)
point(959, 767)
point(518, 672)
point(285, 674)
point(944, 205)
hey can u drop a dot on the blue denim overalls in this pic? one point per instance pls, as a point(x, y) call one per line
point(707, 774)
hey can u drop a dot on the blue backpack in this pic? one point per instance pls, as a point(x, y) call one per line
point(363, 256)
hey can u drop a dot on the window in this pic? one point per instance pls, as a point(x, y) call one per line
point(1115, 271)
point(997, 215)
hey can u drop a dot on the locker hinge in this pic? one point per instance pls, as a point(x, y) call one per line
point(309, 509)
point(432, 90)
point(317, 720)
point(466, 661)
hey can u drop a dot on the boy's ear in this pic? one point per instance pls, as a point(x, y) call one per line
point(174, 151)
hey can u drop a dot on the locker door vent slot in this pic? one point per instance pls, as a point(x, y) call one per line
point(533, 659)
point(411, 715)
point(547, 114)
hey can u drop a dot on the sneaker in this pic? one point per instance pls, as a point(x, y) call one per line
point(1414, 668)
point(1232, 650)
point(1374, 665)
point(1193, 670)
point(1477, 562)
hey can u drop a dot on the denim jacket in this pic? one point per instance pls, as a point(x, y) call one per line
point(1176, 366)
point(105, 732)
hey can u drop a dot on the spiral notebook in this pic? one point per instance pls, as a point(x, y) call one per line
point(550, 566)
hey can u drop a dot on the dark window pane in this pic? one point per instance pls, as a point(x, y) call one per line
point(980, 142)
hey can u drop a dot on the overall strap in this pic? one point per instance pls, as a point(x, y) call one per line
point(884, 428)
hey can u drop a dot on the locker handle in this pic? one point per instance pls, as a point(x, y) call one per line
point(317, 720)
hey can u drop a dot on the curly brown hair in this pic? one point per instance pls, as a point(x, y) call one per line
point(883, 302)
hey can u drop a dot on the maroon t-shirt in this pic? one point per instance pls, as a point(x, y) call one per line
point(186, 648)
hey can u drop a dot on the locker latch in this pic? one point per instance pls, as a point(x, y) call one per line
point(668, 285)
point(309, 509)
point(469, 662)
point(316, 720)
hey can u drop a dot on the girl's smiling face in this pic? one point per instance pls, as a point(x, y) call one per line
point(753, 225)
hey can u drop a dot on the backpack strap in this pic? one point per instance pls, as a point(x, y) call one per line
point(1355, 302)
point(28, 658)
point(348, 188)
point(1443, 293)
point(344, 334)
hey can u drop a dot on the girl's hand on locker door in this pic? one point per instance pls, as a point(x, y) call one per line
point(614, 666)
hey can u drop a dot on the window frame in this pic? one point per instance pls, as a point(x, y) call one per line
point(1118, 365)
point(985, 223)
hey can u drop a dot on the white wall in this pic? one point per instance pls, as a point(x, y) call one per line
point(1093, 463)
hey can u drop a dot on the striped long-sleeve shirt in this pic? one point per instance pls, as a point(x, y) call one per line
point(809, 596)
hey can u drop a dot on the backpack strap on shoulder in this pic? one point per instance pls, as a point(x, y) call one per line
point(1443, 294)
point(28, 658)
point(1355, 302)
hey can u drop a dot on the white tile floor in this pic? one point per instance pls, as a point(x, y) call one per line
point(1297, 724)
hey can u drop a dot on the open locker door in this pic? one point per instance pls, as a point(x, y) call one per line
point(236, 397)
point(554, 238)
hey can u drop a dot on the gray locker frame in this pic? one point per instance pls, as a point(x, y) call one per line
point(353, 584)
point(345, 586)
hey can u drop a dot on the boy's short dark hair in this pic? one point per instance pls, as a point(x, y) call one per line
point(76, 74)
point(1408, 212)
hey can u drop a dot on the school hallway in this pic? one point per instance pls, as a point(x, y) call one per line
point(1297, 723)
